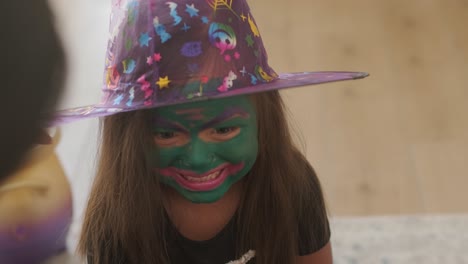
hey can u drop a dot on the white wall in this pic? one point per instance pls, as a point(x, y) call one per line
point(83, 26)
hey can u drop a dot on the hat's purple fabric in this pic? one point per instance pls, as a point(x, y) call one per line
point(170, 52)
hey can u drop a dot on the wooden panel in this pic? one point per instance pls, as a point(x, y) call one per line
point(442, 175)
point(371, 140)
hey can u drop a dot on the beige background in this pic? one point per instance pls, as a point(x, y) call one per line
point(397, 142)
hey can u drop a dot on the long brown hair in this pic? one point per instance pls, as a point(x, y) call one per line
point(125, 213)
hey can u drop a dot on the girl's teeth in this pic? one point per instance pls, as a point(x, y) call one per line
point(203, 179)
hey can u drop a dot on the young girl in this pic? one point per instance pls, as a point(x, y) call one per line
point(197, 164)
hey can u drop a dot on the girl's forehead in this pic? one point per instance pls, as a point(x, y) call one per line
point(204, 114)
point(199, 110)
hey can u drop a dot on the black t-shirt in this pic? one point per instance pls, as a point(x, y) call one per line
point(222, 248)
point(219, 249)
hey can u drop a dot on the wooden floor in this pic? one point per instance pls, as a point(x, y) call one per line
point(396, 142)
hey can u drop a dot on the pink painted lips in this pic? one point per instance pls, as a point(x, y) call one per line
point(202, 182)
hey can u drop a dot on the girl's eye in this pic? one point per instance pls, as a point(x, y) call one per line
point(165, 135)
point(170, 139)
point(224, 130)
point(221, 134)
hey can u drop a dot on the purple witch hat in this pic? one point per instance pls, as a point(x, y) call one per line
point(170, 52)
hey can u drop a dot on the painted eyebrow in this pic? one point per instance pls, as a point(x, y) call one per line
point(226, 115)
point(160, 122)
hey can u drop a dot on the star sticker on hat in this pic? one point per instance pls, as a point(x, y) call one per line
point(163, 82)
point(249, 40)
point(144, 39)
point(193, 12)
point(149, 60)
point(157, 57)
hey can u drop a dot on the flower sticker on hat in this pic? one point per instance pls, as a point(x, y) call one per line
point(228, 82)
point(146, 88)
point(112, 77)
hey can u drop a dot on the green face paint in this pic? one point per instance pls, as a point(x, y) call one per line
point(203, 148)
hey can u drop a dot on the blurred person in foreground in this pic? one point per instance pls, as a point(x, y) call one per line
point(32, 71)
point(35, 196)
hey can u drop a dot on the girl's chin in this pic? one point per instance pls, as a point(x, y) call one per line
point(202, 197)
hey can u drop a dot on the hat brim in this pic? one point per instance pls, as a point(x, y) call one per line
point(286, 80)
